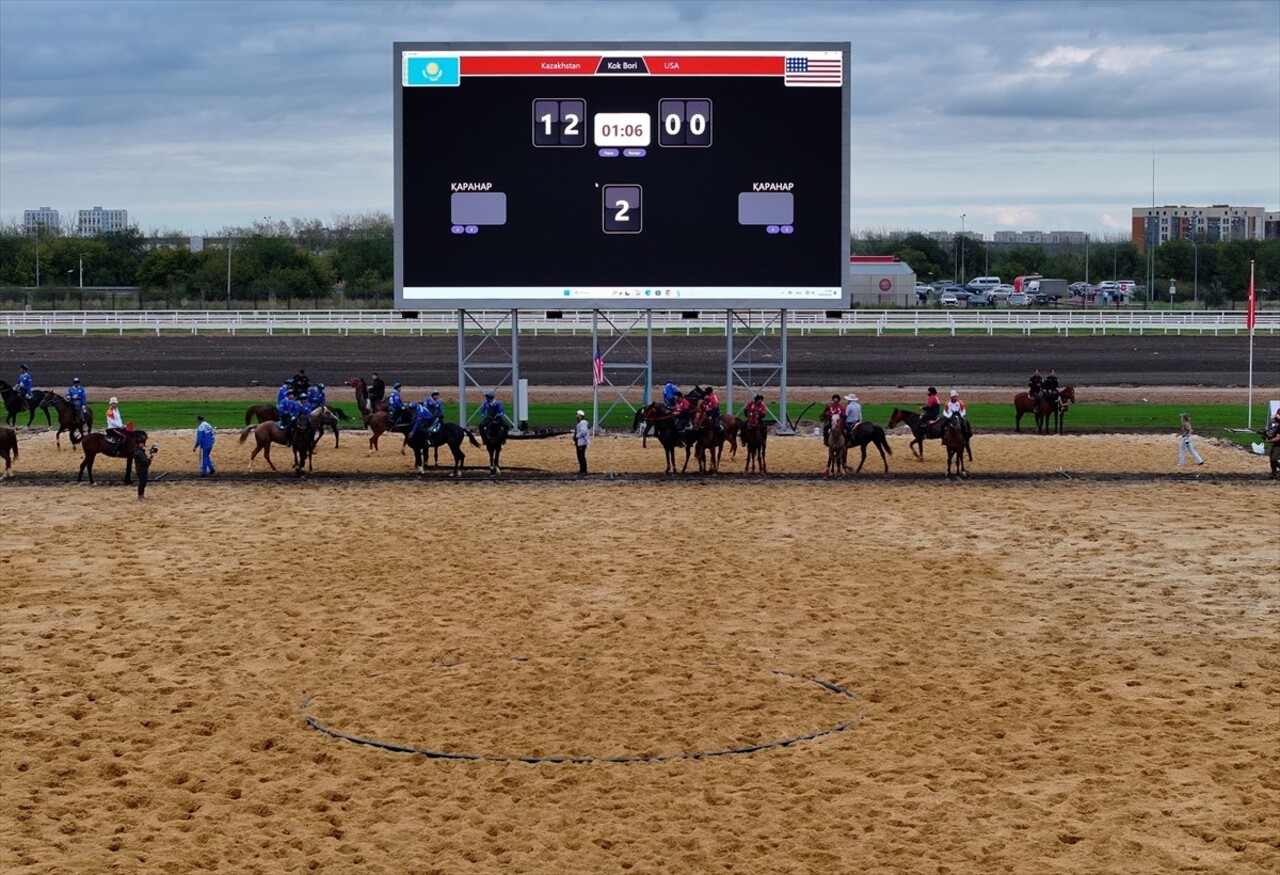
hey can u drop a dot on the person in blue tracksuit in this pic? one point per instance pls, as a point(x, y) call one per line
point(669, 393)
point(77, 398)
point(395, 403)
point(430, 413)
point(285, 388)
point(24, 382)
point(290, 410)
point(316, 396)
point(491, 409)
point(204, 443)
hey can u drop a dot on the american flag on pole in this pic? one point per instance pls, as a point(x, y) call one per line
point(597, 368)
point(1252, 318)
point(812, 70)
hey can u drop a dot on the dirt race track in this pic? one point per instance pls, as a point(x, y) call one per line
point(1068, 663)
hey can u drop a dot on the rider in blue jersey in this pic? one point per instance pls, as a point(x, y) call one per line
point(315, 396)
point(395, 403)
point(285, 388)
point(669, 393)
point(491, 409)
point(77, 399)
point(23, 383)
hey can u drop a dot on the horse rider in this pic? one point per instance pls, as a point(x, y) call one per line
point(285, 388)
point(395, 404)
point(669, 393)
point(932, 410)
point(831, 414)
point(681, 408)
point(1272, 432)
point(300, 382)
point(755, 408)
point(852, 412)
point(377, 390)
point(77, 399)
point(115, 422)
point(24, 384)
point(1035, 385)
point(290, 410)
point(711, 404)
point(316, 396)
point(1051, 385)
point(429, 416)
point(491, 410)
point(955, 407)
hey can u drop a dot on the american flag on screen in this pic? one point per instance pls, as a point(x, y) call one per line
point(806, 70)
point(597, 368)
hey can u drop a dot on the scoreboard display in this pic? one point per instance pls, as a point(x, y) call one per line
point(621, 176)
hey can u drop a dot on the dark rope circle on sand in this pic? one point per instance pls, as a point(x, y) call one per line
point(586, 760)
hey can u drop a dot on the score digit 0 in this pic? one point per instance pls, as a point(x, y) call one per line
point(622, 209)
point(684, 122)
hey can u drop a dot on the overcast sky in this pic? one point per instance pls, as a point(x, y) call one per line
point(195, 116)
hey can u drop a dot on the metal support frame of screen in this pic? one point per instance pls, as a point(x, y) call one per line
point(520, 181)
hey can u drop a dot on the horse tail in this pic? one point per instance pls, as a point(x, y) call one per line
point(474, 442)
point(881, 441)
point(245, 432)
point(337, 411)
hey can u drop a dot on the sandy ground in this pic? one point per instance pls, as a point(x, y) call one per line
point(1075, 671)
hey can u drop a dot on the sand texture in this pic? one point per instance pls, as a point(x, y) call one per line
point(1068, 663)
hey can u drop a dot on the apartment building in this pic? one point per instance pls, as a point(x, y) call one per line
point(99, 221)
point(1217, 223)
point(44, 217)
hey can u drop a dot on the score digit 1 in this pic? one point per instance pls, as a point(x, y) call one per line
point(559, 122)
point(684, 122)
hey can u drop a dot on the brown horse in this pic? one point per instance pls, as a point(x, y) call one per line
point(8, 449)
point(131, 446)
point(263, 413)
point(755, 437)
point(68, 418)
point(362, 397)
point(701, 435)
point(1048, 410)
point(953, 440)
point(837, 449)
point(15, 404)
point(267, 433)
point(663, 423)
point(379, 424)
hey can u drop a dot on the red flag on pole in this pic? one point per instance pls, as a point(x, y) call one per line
point(1253, 303)
point(597, 368)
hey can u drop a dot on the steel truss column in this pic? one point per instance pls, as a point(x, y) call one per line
point(616, 362)
point(743, 367)
point(474, 370)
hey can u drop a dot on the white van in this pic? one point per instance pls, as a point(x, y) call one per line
point(982, 283)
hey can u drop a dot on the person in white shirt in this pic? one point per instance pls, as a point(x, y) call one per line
point(581, 440)
point(115, 422)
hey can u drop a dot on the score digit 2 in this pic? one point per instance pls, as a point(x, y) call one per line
point(622, 209)
point(684, 121)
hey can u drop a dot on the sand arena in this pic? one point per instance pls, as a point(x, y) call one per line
point(1067, 663)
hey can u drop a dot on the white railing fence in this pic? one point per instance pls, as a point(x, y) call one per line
point(535, 322)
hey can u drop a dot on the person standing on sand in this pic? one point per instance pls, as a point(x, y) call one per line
point(581, 440)
point(1184, 442)
point(204, 443)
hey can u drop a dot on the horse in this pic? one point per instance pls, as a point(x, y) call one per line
point(837, 448)
point(493, 434)
point(268, 433)
point(868, 433)
point(380, 423)
point(362, 397)
point(302, 440)
point(448, 433)
point(663, 422)
point(702, 434)
point(755, 437)
point(326, 417)
point(131, 447)
point(1048, 410)
point(8, 449)
point(68, 418)
point(919, 433)
point(953, 440)
point(262, 412)
point(15, 403)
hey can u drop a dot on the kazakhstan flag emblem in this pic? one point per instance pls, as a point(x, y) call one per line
point(424, 71)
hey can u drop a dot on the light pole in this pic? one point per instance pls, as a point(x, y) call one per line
point(1195, 288)
point(38, 227)
point(1086, 259)
point(228, 268)
point(959, 249)
point(82, 271)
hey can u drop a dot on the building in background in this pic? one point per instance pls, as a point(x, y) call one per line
point(45, 217)
point(1215, 224)
point(99, 221)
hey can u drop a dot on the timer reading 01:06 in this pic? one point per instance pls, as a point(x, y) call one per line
point(622, 128)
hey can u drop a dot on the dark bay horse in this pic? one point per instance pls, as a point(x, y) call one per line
point(953, 440)
point(131, 447)
point(919, 433)
point(869, 433)
point(302, 440)
point(493, 434)
point(448, 433)
point(663, 424)
point(15, 404)
point(8, 449)
point(755, 437)
point(68, 418)
point(701, 435)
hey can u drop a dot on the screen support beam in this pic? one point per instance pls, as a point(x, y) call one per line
point(475, 371)
point(639, 368)
point(743, 367)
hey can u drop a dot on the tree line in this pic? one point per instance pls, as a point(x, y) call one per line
point(349, 263)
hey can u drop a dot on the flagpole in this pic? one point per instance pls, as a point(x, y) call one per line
point(595, 386)
point(1251, 319)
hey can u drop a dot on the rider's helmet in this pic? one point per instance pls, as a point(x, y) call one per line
point(22, 367)
point(708, 390)
point(488, 394)
point(933, 391)
point(319, 385)
point(395, 385)
point(435, 393)
point(75, 379)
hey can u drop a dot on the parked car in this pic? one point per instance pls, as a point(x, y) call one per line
point(949, 299)
point(1019, 300)
point(1043, 300)
point(1003, 290)
point(980, 299)
point(941, 285)
point(923, 291)
point(1081, 290)
point(982, 283)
